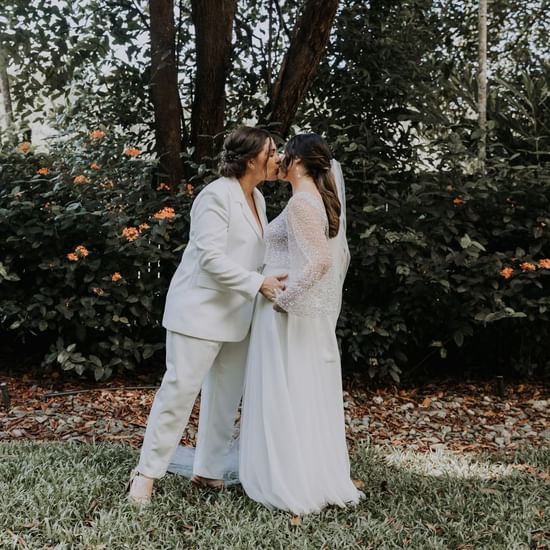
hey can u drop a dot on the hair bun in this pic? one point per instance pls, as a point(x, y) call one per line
point(229, 156)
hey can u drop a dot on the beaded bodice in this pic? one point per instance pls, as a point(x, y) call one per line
point(297, 243)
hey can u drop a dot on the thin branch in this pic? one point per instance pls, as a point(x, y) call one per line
point(527, 29)
point(89, 390)
point(282, 20)
point(269, 46)
point(141, 14)
point(240, 25)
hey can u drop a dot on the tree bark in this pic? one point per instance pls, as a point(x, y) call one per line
point(482, 82)
point(164, 90)
point(213, 20)
point(307, 46)
point(5, 91)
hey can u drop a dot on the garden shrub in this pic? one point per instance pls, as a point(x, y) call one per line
point(89, 244)
point(441, 261)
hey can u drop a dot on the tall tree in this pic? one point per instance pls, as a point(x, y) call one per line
point(301, 61)
point(5, 90)
point(164, 89)
point(482, 81)
point(213, 20)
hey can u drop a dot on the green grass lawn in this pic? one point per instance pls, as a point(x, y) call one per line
point(72, 496)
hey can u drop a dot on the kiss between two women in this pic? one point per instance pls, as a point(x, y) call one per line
point(250, 314)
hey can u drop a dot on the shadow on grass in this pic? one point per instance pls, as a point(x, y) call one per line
point(72, 496)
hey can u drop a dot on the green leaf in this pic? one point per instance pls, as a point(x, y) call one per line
point(95, 360)
point(465, 241)
point(368, 232)
point(458, 337)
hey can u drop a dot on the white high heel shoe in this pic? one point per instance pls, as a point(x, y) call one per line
point(140, 489)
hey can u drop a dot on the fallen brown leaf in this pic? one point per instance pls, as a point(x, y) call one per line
point(296, 521)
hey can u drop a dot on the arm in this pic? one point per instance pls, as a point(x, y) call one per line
point(209, 228)
point(307, 225)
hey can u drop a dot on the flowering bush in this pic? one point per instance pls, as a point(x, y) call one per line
point(444, 265)
point(88, 249)
point(436, 277)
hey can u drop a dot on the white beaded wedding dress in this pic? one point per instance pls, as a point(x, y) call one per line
point(292, 451)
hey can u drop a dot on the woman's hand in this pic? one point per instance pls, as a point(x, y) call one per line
point(272, 286)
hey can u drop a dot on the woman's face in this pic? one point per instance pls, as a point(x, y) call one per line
point(294, 168)
point(266, 163)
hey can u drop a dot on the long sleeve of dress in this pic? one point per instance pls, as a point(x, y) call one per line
point(309, 253)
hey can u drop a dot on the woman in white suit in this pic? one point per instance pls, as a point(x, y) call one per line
point(208, 314)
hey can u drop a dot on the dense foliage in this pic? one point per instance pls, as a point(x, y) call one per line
point(88, 250)
point(430, 232)
point(449, 259)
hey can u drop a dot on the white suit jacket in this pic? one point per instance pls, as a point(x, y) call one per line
point(211, 295)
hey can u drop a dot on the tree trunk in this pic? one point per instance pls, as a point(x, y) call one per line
point(5, 91)
point(482, 82)
point(309, 39)
point(164, 90)
point(213, 20)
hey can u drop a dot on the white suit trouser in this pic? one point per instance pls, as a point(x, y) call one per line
point(191, 363)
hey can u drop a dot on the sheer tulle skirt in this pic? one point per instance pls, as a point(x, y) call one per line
point(293, 452)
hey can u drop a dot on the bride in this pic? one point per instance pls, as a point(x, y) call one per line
point(293, 453)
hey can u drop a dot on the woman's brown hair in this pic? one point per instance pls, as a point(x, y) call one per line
point(239, 147)
point(315, 155)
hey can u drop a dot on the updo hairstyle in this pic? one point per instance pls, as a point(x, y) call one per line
point(239, 147)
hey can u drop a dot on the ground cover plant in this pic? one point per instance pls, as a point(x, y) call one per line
point(72, 496)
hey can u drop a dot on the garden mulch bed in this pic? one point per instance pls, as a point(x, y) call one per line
point(449, 415)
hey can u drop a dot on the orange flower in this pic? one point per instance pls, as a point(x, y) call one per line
point(507, 272)
point(97, 134)
point(132, 152)
point(165, 214)
point(458, 201)
point(79, 252)
point(82, 251)
point(190, 189)
point(107, 185)
point(116, 277)
point(43, 171)
point(527, 266)
point(46, 205)
point(449, 188)
point(544, 264)
point(80, 180)
point(163, 187)
point(144, 226)
point(24, 147)
point(131, 233)
point(98, 291)
point(95, 166)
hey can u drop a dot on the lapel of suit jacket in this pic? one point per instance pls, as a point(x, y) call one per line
point(247, 212)
point(260, 207)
